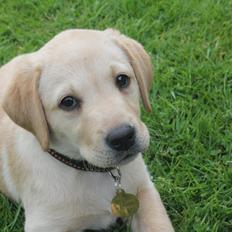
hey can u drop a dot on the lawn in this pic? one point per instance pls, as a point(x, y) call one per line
point(190, 42)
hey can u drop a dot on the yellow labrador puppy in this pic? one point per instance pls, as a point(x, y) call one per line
point(69, 115)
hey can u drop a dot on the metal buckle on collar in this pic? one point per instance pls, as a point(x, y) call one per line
point(117, 177)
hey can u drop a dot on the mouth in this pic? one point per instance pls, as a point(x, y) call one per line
point(109, 158)
point(109, 162)
point(127, 158)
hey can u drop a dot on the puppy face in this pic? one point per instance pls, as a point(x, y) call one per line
point(90, 91)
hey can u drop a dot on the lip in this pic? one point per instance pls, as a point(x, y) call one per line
point(124, 160)
point(128, 158)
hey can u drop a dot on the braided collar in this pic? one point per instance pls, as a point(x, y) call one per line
point(82, 165)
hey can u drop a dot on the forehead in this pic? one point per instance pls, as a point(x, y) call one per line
point(82, 50)
point(83, 55)
point(81, 47)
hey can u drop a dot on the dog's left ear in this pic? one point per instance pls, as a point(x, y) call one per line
point(21, 100)
point(140, 62)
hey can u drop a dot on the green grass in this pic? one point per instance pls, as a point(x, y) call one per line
point(190, 42)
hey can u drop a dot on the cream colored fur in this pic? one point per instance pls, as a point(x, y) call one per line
point(57, 198)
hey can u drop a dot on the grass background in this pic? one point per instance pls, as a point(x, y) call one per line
point(190, 42)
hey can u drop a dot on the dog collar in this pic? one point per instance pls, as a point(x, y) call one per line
point(82, 165)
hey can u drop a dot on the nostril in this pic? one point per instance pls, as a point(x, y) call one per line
point(121, 138)
point(131, 134)
point(116, 144)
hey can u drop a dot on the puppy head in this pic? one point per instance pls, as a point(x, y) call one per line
point(86, 91)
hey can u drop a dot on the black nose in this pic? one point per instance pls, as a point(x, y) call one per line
point(121, 138)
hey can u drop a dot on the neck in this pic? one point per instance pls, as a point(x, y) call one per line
point(62, 144)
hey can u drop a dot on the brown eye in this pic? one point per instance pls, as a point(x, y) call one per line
point(69, 103)
point(122, 81)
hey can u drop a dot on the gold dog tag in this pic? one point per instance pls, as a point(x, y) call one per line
point(124, 204)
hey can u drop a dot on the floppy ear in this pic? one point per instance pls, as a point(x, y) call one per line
point(22, 104)
point(140, 62)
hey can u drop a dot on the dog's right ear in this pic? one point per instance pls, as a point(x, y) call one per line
point(22, 103)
